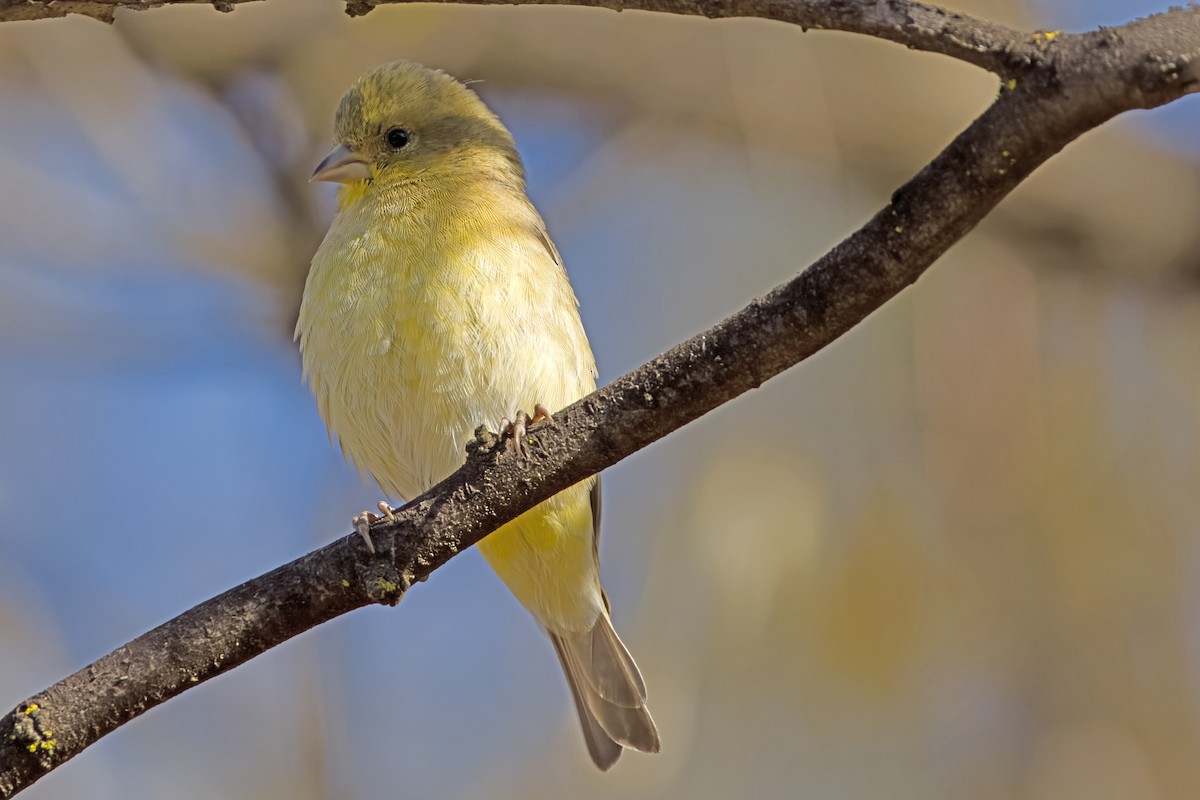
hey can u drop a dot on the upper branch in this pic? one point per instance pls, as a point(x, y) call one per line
point(1072, 85)
point(915, 25)
point(918, 26)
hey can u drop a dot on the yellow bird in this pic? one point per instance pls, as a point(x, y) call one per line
point(437, 303)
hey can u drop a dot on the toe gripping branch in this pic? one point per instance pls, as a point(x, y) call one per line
point(518, 427)
point(387, 591)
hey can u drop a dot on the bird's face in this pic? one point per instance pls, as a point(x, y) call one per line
point(402, 123)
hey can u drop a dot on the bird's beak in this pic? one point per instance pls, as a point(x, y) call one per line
point(342, 165)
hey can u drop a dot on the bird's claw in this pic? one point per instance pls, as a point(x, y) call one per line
point(539, 414)
point(518, 427)
point(364, 521)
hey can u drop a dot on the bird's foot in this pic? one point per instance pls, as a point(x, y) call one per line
point(363, 522)
point(518, 426)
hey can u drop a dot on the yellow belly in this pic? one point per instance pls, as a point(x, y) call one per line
point(545, 557)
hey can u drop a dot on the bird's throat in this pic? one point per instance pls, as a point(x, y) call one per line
point(351, 193)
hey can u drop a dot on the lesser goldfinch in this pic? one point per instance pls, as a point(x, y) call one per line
point(437, 303)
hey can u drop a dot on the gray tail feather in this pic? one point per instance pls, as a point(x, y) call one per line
point(603, 750)
point(609, 693)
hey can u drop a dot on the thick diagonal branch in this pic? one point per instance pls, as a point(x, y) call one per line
point(1077, 83)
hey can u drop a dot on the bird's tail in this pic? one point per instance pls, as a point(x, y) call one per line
point(609, 693)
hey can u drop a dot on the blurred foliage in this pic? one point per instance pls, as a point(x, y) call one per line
point(950, 556)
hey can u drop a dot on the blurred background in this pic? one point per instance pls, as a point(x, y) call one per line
point(953, 555)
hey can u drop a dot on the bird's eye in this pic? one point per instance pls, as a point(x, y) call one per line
point(397, 138)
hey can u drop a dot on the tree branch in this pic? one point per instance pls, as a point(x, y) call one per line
point(1055, 89)
point(915, 25)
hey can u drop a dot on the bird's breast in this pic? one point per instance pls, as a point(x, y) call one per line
point(416, 329)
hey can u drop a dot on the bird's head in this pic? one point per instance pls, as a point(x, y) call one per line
point(402, 122)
